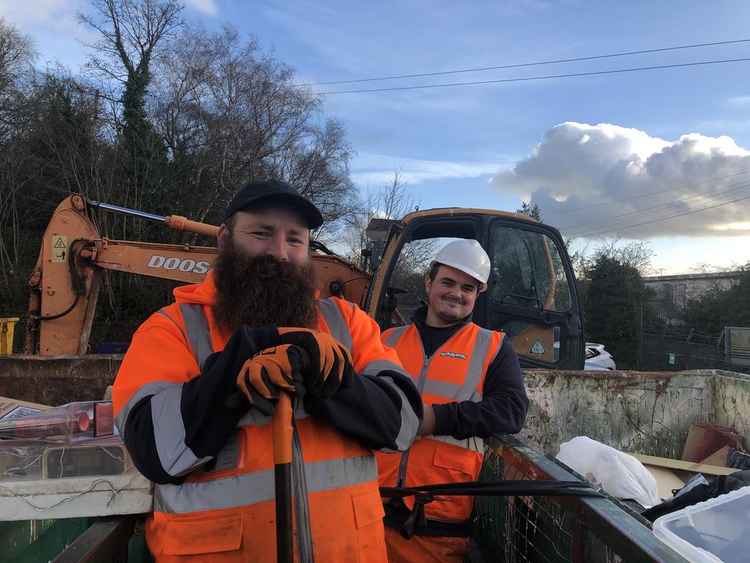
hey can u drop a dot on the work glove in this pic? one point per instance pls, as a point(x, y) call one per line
point(330, 362)
point(270, 372)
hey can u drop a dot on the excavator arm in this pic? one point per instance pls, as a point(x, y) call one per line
point(65, 282)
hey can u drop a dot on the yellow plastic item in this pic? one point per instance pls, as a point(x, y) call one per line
point(7, 326)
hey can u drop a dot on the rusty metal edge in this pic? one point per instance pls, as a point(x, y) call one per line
point(628, 534)
point(105, 540)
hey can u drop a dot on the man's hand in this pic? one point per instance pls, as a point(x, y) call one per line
point(428, 421)
point(330, 362)
point(270, 371)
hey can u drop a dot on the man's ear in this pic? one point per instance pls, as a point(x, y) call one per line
point(427, 284)
point(222, 237)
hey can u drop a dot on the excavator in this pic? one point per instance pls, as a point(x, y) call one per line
point(531, 293)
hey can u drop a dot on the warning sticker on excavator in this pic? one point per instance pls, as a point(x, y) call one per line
point(537, 348)
point(59, 248)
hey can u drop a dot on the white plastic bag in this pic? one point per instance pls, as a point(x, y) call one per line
point(619, 474)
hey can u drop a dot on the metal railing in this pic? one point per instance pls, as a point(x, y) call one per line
point(556, 529)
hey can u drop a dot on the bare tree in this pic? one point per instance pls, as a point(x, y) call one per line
point(16, 56)
point(636, 254)
point(16, 53)
point(129, 32)
point(391, 201)
point(229, 114)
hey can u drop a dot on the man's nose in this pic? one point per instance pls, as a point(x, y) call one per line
point(454, 294)
point(278, 248)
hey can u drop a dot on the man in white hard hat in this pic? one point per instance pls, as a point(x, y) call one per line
point(471, 386)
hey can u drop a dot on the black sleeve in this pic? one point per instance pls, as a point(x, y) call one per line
point(209, 417)
point(381, 411)
point(141, 444)
point(502, 409)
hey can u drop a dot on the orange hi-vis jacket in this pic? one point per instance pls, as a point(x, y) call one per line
point(227, 513)
point(454, 373)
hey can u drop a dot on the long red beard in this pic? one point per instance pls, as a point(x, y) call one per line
point(262, 291)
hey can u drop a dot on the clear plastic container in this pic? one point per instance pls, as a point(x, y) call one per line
point(29, 460)
point(713, 531)
point(71, 422)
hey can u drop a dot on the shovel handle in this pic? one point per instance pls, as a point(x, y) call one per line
point(282, 459)
point(282, 429)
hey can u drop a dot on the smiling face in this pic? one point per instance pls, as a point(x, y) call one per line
point(451, 295)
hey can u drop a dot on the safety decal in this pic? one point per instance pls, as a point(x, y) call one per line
point(454, 355)
point(537, 348)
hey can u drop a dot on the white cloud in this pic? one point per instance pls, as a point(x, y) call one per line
point(42, 15)
point(53, 28)
point(25, 13)
point(739, 101)
point(207, 7)
point(589, 179)
point(376, 169)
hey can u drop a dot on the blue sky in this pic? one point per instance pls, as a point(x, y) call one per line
point(493, 145)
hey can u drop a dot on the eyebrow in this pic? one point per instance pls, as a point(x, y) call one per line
point(293, 230)
point(446, 278)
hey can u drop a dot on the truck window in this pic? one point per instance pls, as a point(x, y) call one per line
point(527, 270)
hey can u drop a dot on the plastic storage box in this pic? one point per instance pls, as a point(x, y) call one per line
point(716, 530)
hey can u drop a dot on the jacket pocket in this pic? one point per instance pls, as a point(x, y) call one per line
point(202, 534)
point(458, 459)
point(368, 519)
point(368, 509)
point(451, 464)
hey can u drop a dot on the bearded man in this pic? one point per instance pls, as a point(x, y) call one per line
point(209, 454)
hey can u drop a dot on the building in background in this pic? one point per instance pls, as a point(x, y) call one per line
point(672, 293)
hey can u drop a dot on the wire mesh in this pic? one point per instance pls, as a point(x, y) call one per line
point(525, 529)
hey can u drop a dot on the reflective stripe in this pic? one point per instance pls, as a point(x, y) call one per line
point(228, 456)
point(451, 390)
point(335, 321)
point(147, 390)
point(407, 431)
point(392, 338)
point(404, 463)
point(409, 420)
point(476, 366)
point(474, 444)
point(252, 488)
point(198, 333)
point(253, 417)
point(375, 367)
point(468, 390)
point(169, 433)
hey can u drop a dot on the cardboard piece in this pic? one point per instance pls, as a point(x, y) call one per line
point(680, 465)
point(719, 457)
point(666, 481)
point(705, 439)
point(14, 408)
